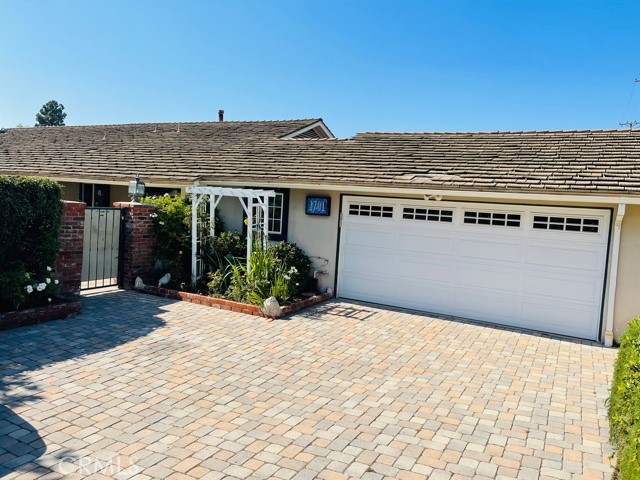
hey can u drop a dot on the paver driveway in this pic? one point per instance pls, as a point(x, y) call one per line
point(144, 387)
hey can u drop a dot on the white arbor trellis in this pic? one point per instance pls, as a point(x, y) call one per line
point(255, 204)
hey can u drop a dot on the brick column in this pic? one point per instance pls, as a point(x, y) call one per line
point(68, 262)
point(139, 242)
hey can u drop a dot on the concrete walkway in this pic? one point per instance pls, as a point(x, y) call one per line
point(147, 388)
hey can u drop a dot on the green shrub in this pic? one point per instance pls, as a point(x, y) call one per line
point(296, 262)
point(30, 215)
point(173, 233)
point(218, 282)
point(624, 403)
point(226, 245)
point(265, 276)
point(21, 289)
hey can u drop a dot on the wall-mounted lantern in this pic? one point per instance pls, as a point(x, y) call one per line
point(136, 189)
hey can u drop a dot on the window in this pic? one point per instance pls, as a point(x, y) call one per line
point(371, 210)
point(278, 214)
point(497, 219)
point(567, 224)
point(427, 214)
point(95, 195)
point(275, 214)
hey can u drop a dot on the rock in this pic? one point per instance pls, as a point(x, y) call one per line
point(139, 283)
point(271, 307)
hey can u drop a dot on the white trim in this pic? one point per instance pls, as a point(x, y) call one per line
point(319, 123)
point(281, 218)
point(613, 275)
point(163, 184)
point(252, 197)
point(194, 241)
point(454, 194)
point(449, 194)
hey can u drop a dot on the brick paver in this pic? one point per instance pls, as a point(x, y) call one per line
point(142, 387)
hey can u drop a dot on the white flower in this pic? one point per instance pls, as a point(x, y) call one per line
point(49, 269)
point(27, 275)
point(49, 300)
point(161, 223)
point(297, 284)
point(48, 280)
point(41, 286)
point(29, 288)
point(154, 215)
point(166, 195)
point(287, 277)
point(293, 270)
point(56, 281)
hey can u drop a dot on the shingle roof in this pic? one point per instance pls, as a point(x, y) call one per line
point(110, 151)
point(595, 161)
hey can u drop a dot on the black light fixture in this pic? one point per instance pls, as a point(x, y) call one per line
point(136, 189)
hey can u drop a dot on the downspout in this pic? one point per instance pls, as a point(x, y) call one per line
point(613, 275)
point(194, 238)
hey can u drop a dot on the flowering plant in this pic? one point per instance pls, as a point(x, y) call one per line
point(22, 289)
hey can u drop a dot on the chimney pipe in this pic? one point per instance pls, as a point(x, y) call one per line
point(221, 115)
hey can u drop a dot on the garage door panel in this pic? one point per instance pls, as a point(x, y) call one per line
point(565, 258)
point(488, 249)
point(427, 244)
point(426, 296)
point(543, 274)
point(369, 238)
point(491, 279)
point(366, 263)
point(418, 270)
point(557, 317)
point(369, 289)
point(573, 288)
point(490, 308)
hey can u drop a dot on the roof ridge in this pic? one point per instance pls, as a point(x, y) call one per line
point(310, 120)
point(496, 132)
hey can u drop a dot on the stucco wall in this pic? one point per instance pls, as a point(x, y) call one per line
point(627, 303)
point(316, 235)
point(119, 193)
point(70, 191)
point(231, 213)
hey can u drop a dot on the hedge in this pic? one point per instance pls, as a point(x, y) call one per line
point(624, 404)
point(30, 215)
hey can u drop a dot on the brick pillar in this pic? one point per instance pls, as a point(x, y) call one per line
point(139, 242)
point(68, 262)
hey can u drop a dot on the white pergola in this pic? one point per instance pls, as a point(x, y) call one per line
point(249, 199)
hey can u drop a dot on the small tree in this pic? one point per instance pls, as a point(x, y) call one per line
point(51, 114)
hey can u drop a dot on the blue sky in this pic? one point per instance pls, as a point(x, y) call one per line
point(362, 65)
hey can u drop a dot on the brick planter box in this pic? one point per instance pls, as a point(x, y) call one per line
point(33, 316)
point(238, 307)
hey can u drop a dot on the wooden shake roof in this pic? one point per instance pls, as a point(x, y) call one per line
point(590, 161)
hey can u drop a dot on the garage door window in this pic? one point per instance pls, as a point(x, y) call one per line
point(497, 219)
point(567, 224)
point(370, 210)
point(427, 214)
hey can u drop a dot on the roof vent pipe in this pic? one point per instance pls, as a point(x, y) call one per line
point(221, 115)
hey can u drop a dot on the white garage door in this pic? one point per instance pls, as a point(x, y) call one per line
point(539, 268)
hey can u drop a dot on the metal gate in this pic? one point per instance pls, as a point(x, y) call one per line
point(103, 244)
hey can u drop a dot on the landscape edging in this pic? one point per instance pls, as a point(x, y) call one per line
point(33, 316)
point(223, 304)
